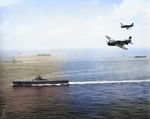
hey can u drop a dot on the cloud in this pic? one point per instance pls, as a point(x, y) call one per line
point(77, 32)
point(5, 31)
point(4, 3)
point(94, 2)
point(56, 33)
point(130, 8)
point(128, 12)
point(4, 27)
point(22, 32)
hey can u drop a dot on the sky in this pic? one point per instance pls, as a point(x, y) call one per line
point(46, 24)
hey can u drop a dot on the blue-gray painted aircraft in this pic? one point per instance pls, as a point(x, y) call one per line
point(118, 43)
point(126, 26)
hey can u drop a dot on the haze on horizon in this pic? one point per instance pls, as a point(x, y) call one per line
point(36, 24)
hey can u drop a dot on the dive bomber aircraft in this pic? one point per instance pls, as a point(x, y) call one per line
point(126, 26)
point(119, 43)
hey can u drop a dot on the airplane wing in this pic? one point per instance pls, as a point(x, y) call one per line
point(121, 46)
point(122, 24)
point(110, 39)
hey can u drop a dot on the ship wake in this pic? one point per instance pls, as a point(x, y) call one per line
point(104, 82)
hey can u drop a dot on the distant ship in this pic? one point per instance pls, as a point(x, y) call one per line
point(140, 56)
point(44, 55)
point(40, 80)
point(13, 61)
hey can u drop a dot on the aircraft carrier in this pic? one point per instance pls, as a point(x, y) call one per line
point(44, 55)
point(140, 56)
point(40, 80)
point(13, 61)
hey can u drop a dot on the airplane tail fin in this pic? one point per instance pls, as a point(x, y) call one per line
point(130, 39)
point(132, 24)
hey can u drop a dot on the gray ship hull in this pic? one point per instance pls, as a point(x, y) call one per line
point(62, 82)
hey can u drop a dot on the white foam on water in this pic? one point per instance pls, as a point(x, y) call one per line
point(46, 84)
point(103, 82)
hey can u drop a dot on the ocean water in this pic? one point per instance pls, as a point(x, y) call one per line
point(102, 85)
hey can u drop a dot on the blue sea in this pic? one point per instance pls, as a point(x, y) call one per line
point(103, 84)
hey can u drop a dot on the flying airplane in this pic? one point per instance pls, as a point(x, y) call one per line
point(126, 26)
point(119, 43)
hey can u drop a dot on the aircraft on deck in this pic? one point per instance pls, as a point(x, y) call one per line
point(126, 26)
point(119, 43)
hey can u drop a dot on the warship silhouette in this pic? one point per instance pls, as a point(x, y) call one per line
point(40, 80)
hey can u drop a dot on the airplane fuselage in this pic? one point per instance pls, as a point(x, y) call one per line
point(126, 42)
point(118, 43)
point(127, 26)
